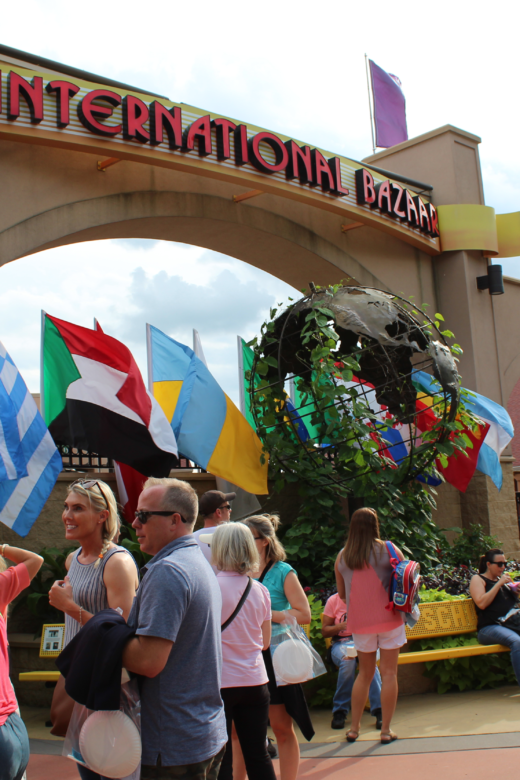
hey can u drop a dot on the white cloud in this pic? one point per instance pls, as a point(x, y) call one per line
point(126, 284)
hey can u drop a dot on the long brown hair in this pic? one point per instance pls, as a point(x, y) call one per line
point(362, 538)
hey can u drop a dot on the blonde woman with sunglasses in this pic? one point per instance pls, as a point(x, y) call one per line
point(100, 573)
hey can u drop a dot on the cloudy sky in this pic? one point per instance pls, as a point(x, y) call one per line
point(296, 68)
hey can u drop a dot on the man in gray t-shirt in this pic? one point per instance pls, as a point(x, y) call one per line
point(177, 648)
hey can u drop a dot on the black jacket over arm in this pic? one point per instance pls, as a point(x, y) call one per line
point(92, 661)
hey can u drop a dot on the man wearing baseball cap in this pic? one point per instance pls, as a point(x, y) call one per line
point(215, 508)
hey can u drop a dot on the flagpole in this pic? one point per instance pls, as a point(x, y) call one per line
point(370, 107)
point(42, 404)
point(241, 390)
point(149, 357)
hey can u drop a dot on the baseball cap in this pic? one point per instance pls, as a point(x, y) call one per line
point(211, 500)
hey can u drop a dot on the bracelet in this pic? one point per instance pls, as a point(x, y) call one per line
point(3, 549)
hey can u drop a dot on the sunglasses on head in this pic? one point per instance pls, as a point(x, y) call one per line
point(143, 516)
point(499, 563)
point(88, 484)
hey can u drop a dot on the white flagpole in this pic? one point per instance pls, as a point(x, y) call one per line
point(241, 388)
point(42, 397)
point(197, 347)
point(370, 107)
point(149, 361)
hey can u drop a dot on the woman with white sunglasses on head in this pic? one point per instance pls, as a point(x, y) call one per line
point(101, 574)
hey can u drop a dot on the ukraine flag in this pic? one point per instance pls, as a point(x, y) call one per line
point(209, 428)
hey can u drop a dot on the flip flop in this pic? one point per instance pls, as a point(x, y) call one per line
point(352, 738)
point(388, 737)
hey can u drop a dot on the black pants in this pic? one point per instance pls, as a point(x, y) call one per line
point(248, 707)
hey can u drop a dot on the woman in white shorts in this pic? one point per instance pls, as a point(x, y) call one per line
point(363, 572)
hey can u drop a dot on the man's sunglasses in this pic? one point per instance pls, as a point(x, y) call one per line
point(225, 506)
point(143, 516)
point(88, 484)
point(500, 563)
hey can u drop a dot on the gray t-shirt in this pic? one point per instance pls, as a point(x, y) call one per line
point(182, 713)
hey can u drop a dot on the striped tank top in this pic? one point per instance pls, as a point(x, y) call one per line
point(88, 588)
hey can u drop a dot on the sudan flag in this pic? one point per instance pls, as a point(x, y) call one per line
point(94, 398)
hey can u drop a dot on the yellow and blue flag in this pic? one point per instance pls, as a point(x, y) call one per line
point(209, 428)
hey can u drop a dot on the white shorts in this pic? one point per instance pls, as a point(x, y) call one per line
point(388, 640)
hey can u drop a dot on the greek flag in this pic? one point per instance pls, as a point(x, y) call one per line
point(29, 460)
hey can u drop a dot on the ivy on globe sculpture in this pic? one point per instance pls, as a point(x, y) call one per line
point(354, 357)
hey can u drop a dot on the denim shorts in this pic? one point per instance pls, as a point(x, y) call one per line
point(14, 748)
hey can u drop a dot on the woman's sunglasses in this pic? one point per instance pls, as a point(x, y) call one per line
point(499, 563)
point(88, 484)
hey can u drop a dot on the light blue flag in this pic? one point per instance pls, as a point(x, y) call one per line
point(29, 460)
point(500, 431)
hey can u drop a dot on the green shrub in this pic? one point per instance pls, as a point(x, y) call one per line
point(429, 595)
point(469, 545)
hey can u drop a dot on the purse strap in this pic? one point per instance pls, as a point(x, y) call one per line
point(239, 606)
point(266, 569)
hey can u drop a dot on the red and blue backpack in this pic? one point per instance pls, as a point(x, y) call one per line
point(405, 581)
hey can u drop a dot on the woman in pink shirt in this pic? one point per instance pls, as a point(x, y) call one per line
point(244, 678)
point(14, 741)
point(363, 572)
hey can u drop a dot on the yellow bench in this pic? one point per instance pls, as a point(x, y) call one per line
point(39, 676)
point(444, 618)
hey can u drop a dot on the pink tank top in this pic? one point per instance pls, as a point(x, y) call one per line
point(366, 595)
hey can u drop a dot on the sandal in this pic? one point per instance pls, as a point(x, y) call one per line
point(387, 737)
point(351, 737)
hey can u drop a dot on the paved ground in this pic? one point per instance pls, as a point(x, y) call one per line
point(472, 734)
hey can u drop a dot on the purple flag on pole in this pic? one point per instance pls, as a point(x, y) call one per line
point(389, 108)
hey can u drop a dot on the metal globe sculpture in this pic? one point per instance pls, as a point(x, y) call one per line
point(354, 382)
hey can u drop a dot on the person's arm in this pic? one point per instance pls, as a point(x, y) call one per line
point(477, 590)
point(296, 597)
point(62, 598)
point(266, 634)
point(120, 577)
point(340, 582)
point(146, 655)
point(328, 629)
point(32, 561)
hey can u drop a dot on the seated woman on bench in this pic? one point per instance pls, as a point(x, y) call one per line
point(494, 594)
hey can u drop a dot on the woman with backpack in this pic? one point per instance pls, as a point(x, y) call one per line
point(363, 575)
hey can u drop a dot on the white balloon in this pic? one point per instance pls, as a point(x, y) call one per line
point(292, 662)
point(110, 743)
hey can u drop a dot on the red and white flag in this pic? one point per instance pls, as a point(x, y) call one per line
point(94, 398)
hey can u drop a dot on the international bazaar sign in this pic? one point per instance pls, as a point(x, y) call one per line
point(134, 126)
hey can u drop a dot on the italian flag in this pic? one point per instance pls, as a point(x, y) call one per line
point(93, 397)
